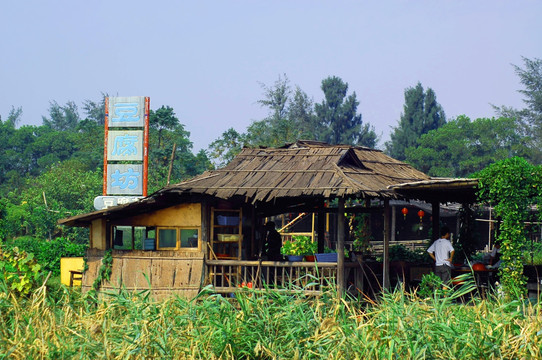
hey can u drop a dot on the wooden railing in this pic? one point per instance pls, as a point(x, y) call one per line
point(226, 276)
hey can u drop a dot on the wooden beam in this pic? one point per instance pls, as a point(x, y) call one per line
point(340, 247)
point(436, 219)
point(387, 236)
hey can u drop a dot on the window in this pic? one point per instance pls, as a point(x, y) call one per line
point(178, 238)
point(167, 238)
point(129, 237)
point(189, 238)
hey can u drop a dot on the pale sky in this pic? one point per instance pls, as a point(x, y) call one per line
point(207, 59)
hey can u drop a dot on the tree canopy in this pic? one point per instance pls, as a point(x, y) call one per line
point(421, 114)
point(55, 170)
point(461, 146)
point(293, 115)
point(530, 117)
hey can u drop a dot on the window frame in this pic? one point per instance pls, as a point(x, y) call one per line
point(178, 230)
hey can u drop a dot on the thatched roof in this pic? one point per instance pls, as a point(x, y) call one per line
point(442, 190)
point(304, 171)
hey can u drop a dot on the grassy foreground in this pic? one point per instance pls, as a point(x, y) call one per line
point(266, 325)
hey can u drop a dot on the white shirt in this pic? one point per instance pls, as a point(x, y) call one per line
point(442, 249)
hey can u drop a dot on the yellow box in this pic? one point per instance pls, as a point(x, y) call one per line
point(67, 264)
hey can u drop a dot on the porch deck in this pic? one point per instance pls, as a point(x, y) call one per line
point(226, 276)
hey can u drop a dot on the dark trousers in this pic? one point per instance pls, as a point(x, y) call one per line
point(444, 272)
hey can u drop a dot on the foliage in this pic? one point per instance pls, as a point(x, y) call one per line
point(255, 324)
point(293, 116)
point(511, 186)
point(19, 270)
point(532, 254)
point(431, 284)
point(299, 245)
point(462, 147)
point(421, 114)
point(62, 118)
point(530, 76)
point(104, 272)
point(360, 232)
point(225, 148)
point(55, 170)
point(48, 252)
point(338, 115)
point(466, 244)
point(401, 252)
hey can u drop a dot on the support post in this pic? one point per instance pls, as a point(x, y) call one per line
point(321, 229)
point(435, 205)
point(385, 257)
point(340, 247)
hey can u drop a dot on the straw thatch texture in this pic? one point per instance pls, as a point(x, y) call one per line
point(303, 169)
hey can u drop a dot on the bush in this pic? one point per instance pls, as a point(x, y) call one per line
point(19, 271)
point(48, 253)
point(401, 252)
point(430, 284)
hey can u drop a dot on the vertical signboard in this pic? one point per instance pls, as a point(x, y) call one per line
point(125, 150)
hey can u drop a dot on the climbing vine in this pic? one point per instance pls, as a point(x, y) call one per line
point(104, 272)
point(512, 186)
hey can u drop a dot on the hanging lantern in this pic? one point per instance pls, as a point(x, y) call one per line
point(421, 213)
point(404, 211)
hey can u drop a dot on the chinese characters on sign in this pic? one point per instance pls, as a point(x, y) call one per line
point(125, 145)
point(126, 150)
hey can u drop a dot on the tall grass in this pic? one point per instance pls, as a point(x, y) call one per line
point(267, 325)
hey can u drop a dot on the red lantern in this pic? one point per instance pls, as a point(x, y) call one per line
point(421, 214)
point(404, 211)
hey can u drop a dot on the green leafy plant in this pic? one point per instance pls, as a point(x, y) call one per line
point(299, 245)
point(360, 230)
point(48, 252)
point(430, 284)
point(19, 270)
point(400, 252)
point(104, 272)
point(512, 186)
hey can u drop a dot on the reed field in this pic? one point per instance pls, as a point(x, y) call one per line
point(252, 324)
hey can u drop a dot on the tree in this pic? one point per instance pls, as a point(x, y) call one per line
point(300, 112)
point(461, 146)
point(62, 118)
point(224, 149)
point(14, 116)
point(530, 117)
point(95, 111)
point(421, 114)
point(338, 115)
point(163, 119)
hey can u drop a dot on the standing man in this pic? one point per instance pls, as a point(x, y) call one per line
point(273, 242)
point(442, 252)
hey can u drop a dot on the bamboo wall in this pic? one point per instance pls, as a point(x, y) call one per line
point(168, 272)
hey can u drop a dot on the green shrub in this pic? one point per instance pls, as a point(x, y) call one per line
point(401, 252)
point(48, 253)
point(19, 270)
point(430, 285)
point(299, 245)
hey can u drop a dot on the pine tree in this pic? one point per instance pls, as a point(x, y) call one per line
point(422, 113)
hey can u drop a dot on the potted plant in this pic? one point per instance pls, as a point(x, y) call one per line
point(299, 246)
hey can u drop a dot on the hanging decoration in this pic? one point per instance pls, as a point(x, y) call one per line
point(404, 211)
point(421, 213)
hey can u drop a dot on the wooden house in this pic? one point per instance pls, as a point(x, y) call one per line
point(205, 231)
